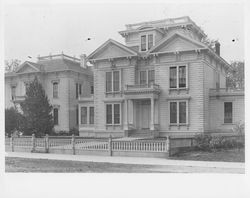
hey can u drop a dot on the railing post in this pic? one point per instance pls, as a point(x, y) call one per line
point(110, 145)
point(33, 140)
point(73, 144)
point(168, 147)
point(46, 143)
point(12, 142)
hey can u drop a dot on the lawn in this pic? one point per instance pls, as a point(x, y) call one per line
point(232, 155)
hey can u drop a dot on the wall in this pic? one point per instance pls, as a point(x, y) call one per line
point(216, 111)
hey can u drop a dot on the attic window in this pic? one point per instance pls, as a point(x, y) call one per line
point(147, 41)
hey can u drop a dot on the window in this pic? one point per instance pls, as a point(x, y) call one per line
point(83, 115)
point(55, 115)
point(143, 43)
point(76, 90)
point(178, 112)
point(77, 116)
point(147, 41)
point(178, 77)
point(150, 41)
point(113, 114)
point(13, 92)
point(109, 114)
point(113, 81)
point(228, 112)
point(91, 115)
point(217, 81)
point(116, 80)
point(116, 113)
point(182, 76)
point(173, 77)
point(80, 89)
point(143, 77)
point(92, 89)
point(55, 90)
point(151, 77)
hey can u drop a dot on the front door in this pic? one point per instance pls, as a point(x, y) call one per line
point(145, 116)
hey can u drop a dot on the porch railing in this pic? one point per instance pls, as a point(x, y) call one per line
point(141, 86)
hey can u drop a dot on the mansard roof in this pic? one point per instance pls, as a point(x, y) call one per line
point(162, 25)
point(105, 51)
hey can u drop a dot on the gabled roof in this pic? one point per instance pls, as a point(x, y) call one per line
point(35, 66)
point(169, 38)
point(127, 51)
point(199, 45)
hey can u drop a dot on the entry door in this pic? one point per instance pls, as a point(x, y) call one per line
point(145, 116)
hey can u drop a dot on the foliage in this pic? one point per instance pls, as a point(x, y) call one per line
point(206, 142)
point(203, 141)
point(209, 42)
point(12, 120)
point(235, 76)
point(37, 111)
point(11, 65)
point(67, 133)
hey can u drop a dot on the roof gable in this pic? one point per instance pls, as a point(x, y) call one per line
point(177, 42)
point(111, 49)
point(27, 67)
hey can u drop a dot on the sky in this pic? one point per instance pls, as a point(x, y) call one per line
point(41, 29)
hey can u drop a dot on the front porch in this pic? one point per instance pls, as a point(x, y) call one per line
point(141, 110)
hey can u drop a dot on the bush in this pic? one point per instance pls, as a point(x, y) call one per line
point(203, 142)
point(67, 133)
point(12, 121)
point(206, 142)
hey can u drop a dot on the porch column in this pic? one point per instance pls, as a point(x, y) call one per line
point(152, 125)
point(126, 114)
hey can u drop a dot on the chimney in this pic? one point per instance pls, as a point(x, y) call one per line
point(83, 61)
point(217, 48)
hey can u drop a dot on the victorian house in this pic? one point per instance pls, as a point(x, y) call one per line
point(163, 81)
point(64, 78)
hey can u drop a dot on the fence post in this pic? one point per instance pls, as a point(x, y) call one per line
point(12, 142)
point(33, 140)
point(168, 146)
point(110, 145)
point(46, 143)
point(73, 144)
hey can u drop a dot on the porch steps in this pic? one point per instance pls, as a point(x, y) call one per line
point(142, 134)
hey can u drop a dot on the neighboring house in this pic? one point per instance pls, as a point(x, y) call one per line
point(64, 80)
point(163, 81)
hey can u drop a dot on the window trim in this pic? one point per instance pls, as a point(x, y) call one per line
point(177, 80)
point(147, 76)
point(178, 113)
point(53, 91)
point(224, 112)
point(87, 116)
point(146, 34)
point(57, 116)
point(112, 81)
point(113, 113)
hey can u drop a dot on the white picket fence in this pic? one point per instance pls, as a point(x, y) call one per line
point(80, 143)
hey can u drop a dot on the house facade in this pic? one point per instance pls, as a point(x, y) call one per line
point(163, 81)
point(64, 79)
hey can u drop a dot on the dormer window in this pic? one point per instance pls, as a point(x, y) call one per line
point(147, 41)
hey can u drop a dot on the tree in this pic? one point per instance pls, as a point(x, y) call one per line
point(37, 111)
point(235, 76)
point(11, 65)
point(12, 120)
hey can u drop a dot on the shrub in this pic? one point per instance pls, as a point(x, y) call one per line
point(203, 142)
